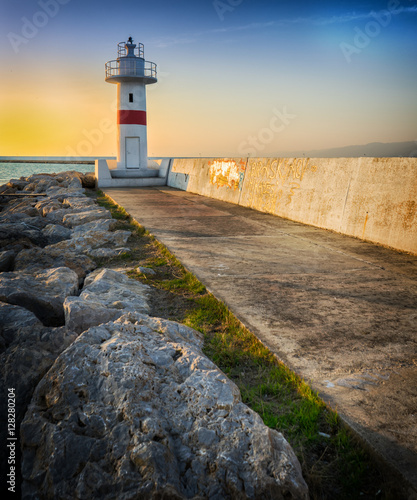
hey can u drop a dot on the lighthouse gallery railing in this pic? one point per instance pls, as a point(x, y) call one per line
point(130, 68)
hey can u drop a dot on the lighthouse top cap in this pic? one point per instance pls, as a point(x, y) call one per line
point(130, 65)
point(130, 49)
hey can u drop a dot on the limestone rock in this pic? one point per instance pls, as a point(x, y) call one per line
point(87, 241)
point(55, 233)
point(62, 191)
point(89, 180)
point(146, 270)
point(18, 184)
point(6, 261)
point(93, 226)
point(42, 293)
point(107, 253)
point(78, 202)
point(81, 314)
point(106, 296)
point(25, 206)
point(27, 351)
point(20, 231)
point(114, 289)
point(36, 259)
point(133, 409)
point(48, 205)
point(77, 219)
point(34, 222)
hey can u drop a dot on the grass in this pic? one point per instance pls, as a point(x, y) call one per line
point(335, 465)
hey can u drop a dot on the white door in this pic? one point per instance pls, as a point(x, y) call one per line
point(132, 152)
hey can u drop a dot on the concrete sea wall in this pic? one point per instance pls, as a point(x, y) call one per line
point(374, 199)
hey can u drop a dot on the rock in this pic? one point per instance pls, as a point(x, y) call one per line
point(93, 226)
point(30, 221)
point(27, 351)
point(42, 185)
point(48, 205)
point(77, 219)
point(58, 191)
point(6, 189)
point(86, 241)
point(114, 289)
point(88, 180)
point(18, 184)
point(56, 216)
point(36, 259)
point(133, 409)
point(42, 293)
point(106, 295)
point(107, 253)
point(19, 231)
point(55, 233)
point(82, 314)
point(6, 261)
point(79, 202)
point(146, 270)
point(25, 206)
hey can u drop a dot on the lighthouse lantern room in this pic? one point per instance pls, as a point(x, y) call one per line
point(131, 73)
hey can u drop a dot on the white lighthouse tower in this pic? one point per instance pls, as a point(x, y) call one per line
point(131, 73)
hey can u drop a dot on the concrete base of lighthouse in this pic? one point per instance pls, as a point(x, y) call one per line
point(108, 175)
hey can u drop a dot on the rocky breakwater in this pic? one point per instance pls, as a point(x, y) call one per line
point(111, 402)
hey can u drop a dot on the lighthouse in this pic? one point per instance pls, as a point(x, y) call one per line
point(131, 73)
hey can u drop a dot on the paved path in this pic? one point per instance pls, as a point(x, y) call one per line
point(340, 312)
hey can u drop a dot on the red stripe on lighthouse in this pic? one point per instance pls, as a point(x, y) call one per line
point(131, 117)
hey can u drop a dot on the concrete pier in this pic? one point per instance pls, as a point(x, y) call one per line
point(339, 311)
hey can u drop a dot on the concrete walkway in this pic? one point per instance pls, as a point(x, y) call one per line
point(340, 312)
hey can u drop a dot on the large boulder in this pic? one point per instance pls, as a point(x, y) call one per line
point(133, 409)
point(42, 293)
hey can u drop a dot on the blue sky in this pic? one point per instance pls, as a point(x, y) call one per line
point(236, 77)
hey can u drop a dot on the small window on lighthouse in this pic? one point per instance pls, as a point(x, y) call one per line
point(130, 97)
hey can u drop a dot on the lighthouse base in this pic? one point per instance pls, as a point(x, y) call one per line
point(107, 175)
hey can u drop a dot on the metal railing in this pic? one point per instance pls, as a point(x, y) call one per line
point(122, 51)
point(130, 68)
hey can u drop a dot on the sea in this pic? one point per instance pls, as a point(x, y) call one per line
point(15, 170)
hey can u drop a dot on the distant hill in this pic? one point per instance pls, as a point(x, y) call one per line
point(374, 149)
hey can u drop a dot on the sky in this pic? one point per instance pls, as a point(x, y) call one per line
point(235, 77)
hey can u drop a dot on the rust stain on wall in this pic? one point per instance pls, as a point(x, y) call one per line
point(227, 173)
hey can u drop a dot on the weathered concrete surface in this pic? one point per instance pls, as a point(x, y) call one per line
point(339, 311)
point(370, 198)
